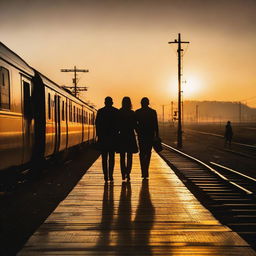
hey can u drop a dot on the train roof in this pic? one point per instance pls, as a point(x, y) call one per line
point(61, 90)
point(14, 59)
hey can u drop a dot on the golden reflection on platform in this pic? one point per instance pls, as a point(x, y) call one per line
point(158, 216)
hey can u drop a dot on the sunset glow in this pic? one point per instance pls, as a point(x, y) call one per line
point(124, 44)
point(192, 86)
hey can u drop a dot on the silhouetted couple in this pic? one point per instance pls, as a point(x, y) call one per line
point(116, 133)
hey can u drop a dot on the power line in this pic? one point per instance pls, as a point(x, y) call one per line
point(76, 89)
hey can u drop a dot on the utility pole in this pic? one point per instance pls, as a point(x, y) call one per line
point(240, 112)
point(172, 113)
point(163, 113)
point(179, 132)
point(76, 89)
point(182, 108)
point(197, 114)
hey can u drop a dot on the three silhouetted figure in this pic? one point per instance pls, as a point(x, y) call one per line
point(147, 129)
point(127, 144)
point(115, 130)
point(106, 131)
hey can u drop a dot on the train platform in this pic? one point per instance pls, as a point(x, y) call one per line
point(158, 216)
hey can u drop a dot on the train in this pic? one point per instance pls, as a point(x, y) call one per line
point(39, 119)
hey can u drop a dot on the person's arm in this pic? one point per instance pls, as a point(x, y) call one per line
point(136, 126)
point(97, 123)
point(117, 121)
point(156, 125)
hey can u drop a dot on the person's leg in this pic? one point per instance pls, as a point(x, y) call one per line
point(111, 159)
point(129, 165)
point(129, 162)
point(104, 156)
point(147, 161)
point(142, 155)
point(122, 165)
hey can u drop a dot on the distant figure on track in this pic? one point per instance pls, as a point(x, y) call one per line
point(106, 131)
point(127, 144)
point(147, 129)
point(228, 134)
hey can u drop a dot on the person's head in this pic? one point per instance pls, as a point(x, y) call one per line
point(108, 101)
point(126, 103)
point(228, 123)
point(144, 102)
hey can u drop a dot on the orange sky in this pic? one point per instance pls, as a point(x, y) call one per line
point(124, 44)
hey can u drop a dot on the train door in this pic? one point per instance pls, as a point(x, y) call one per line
point(57, 122)
point(28, 122)
point(63, 123)
point(82, 120)
point(67, 120)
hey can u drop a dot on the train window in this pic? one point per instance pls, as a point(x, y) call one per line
point(63, 110)
point(49, 106)
point(4, 88)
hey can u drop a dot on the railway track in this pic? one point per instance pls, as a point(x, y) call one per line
point(237, 148)
point(228, 194)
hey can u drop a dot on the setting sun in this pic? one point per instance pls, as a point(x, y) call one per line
point(191, 86)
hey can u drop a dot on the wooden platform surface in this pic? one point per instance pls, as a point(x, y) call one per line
point(158, 216)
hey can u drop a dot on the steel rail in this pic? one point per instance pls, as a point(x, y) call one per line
point(231, 170)
point(218, 135)
point(210, 168)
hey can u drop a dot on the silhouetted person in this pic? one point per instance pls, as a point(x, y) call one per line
point(147, 129)
point(126, 138)
point(106, 130)
point(228, 134)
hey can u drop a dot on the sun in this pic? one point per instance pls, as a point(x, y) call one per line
point(191, 86)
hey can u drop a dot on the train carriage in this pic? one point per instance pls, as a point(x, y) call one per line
point(38, 119)
point(16, 121)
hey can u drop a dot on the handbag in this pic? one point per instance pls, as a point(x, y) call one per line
point(157, 144)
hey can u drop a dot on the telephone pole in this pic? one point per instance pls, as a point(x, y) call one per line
point(197, 114)
point(172, 113)
point(163, 113)
point(179, 50)
point(76, 89)
point(240, 112)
